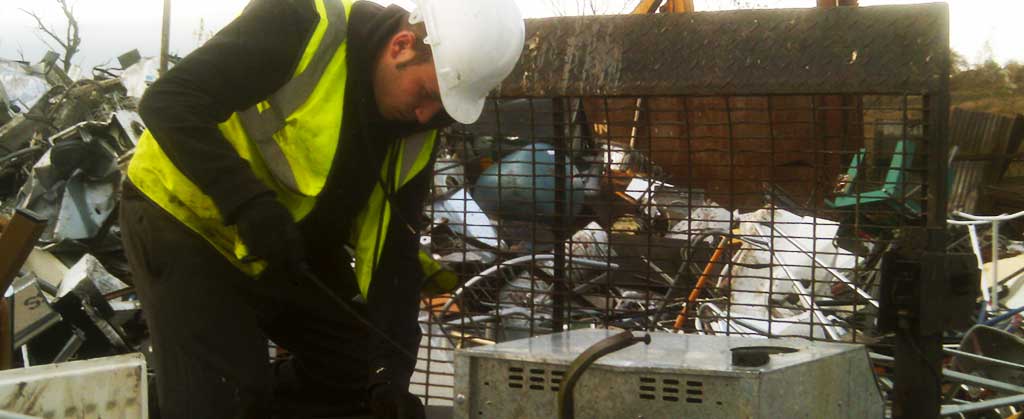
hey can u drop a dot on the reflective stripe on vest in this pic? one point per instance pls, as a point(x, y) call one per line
point(371, 225)
point(300, 173)
point(262, 121)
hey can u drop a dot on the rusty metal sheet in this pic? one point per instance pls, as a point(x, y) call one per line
point(985, 145)
point(883, 49)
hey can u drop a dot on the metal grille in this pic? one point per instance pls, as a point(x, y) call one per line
point(750, 205)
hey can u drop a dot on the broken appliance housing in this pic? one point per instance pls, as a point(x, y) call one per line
point(691, 376)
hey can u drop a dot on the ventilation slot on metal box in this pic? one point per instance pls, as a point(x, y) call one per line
point(535, 378)
point(515, 377)
point(670, 390)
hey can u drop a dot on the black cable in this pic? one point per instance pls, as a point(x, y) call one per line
point(355, 313)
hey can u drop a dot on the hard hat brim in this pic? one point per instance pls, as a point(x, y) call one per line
point(464, 108)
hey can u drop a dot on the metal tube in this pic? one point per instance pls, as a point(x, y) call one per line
point(830, 270)
point(1002, 217)
point(559, 286)
point(995, 266)
point(976, 247)
point(993, 321)
point(981, 358)
point(519, 261)
point(948, 410)
point(981, 381)
point(165, 39)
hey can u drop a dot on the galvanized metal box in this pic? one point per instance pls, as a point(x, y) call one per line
point(676, 376)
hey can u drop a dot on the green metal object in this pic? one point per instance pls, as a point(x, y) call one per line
point(893, 192)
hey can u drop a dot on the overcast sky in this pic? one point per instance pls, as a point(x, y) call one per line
point(112, 27)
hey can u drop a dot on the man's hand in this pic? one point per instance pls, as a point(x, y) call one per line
point(389, 402)
point(270, 234)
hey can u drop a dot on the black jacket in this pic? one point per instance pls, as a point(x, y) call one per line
point(245, 63)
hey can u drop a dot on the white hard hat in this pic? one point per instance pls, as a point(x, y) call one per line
point(475, 44)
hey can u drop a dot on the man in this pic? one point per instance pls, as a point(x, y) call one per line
point(302, 129)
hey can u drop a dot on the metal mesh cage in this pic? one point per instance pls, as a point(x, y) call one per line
point(661, 173)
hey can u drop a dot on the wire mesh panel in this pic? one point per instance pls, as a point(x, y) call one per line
point(645, 187)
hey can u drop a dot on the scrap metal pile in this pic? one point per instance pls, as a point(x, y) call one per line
point(63, 147)
point(644, 254)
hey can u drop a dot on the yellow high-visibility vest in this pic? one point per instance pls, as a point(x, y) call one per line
point(290, 140)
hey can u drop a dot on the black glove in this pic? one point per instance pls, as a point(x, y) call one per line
point(389, 402)
point(268, 231)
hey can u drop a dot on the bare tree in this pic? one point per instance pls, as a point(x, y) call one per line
point(71, 40)
point(202, 34)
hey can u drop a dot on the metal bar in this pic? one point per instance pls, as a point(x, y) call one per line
point(664, 276)
point(961, 377)
point(981, 381)
point(842, 278)
point(519, 261)
point(981, 358)
point(995, 267)
point(559, 285)
point(715, 257)
point(70, 348)
point(995, 320)
point(165, 39)
point(949, 410)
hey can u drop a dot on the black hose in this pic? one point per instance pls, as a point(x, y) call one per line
point(566, 402)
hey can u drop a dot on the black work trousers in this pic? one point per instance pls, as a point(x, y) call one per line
point(210, 326)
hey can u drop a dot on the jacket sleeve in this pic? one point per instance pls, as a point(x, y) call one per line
point(241, 65)
point(394, 294)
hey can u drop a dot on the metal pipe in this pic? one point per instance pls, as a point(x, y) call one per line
point(560, 222)
point(959, 376)
point(719, 251)
point(993, 321)
point(948, 410)
point(519, 261)
point(1002, 217)
point(830, 270)
point(165, 39)
point(995, 266)
point(988, 383)
point(981, 358)
point(976, 247)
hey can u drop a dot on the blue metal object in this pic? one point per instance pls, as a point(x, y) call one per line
point(995, 320)
point(522, 186)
